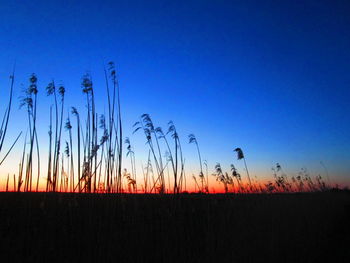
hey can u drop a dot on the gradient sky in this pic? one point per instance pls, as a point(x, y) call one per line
point(271, 77)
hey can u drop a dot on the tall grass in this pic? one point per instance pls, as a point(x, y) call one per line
point(5, 122)
point(92, 159)
point(192, 139)
point(68, 127)
point(29, 101)
point(240, 156)
point(131, 155)
point(147, 126)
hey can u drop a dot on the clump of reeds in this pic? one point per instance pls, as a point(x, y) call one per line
point(223, 177)
point(95, 163)
point(29, 101)
point(152, 139)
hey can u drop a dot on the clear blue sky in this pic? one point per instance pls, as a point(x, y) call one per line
point(271, 77)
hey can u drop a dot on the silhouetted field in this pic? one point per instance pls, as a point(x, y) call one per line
point(307, 227)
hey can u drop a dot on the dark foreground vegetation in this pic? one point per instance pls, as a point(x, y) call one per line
point(299, 227)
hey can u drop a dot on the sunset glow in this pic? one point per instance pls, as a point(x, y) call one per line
point(174, 131)
point(278, 102)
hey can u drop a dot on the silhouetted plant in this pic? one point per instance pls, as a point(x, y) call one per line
point(76, 114)
point(5, 121)
point(103, 142)
point(205, 163)
point(114, 144)
point(280, 181)
point(236, 175)
point(327, 174)
point(131, 155)
point(147, 126)
point(68, 127)
point(51, 90)
point(306, 178)
point(169, 156)
point(283, 177)
point(222, 177)
point(321, 184)
point(240, 156)
point(192, 139)
point(29, 100)
point(270, 188)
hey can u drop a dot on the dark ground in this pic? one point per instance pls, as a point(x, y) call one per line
point(309, 227)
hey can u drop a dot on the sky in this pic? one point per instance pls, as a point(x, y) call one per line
point(270, 77)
